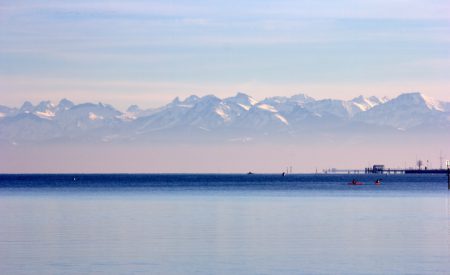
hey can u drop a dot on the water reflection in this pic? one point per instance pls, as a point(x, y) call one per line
point(238, 233)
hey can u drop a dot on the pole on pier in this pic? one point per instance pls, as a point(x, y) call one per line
point(448, 178)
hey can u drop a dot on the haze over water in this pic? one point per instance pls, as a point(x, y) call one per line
point(223, 224)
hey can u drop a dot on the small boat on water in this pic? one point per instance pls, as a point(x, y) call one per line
point(355, 182)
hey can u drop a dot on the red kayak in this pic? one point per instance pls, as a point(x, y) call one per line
point(356, 183)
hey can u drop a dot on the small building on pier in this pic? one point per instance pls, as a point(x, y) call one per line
point(378, 168)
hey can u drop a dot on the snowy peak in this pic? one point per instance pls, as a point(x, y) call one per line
point(208, 112)
point(45, 109)
point(27, 107)
point(246, 99)
point(64, 104)
point(243, 100)
point(285, 104)
point(93, 111)
point(377, 100)
point(333, 107)
point(262, 117)
point(407, 111)
point(299, 99)
point(419, 100)
point(134, 109)
point(188, 102)
point(364, 103)
point(192, 99)
point(208, 99)
point(266, 107)
point(131, 113)
point(175, 101)
point(44, 105)
point(342, 108)
point(302, 98)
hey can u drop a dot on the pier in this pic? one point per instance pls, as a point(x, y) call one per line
point(380, 169)
point(386, 171)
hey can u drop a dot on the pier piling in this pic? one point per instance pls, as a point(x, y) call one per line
point(448, 178)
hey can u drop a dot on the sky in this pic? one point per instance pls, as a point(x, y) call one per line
point(148, 52)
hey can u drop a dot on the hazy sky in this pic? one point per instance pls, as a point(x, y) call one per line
point(148, 52)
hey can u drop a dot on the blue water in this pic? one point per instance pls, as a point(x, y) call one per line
point(223, 224)
point(220, 182)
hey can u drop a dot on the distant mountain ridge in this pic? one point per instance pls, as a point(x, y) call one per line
point(233, 118)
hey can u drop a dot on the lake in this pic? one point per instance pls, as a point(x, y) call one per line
point(224, 224)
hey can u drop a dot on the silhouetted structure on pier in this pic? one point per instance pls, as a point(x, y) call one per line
point(380, 169)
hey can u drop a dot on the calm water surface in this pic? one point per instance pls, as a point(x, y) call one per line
point(223, 224)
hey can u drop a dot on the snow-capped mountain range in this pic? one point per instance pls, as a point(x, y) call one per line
point(230, 118)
